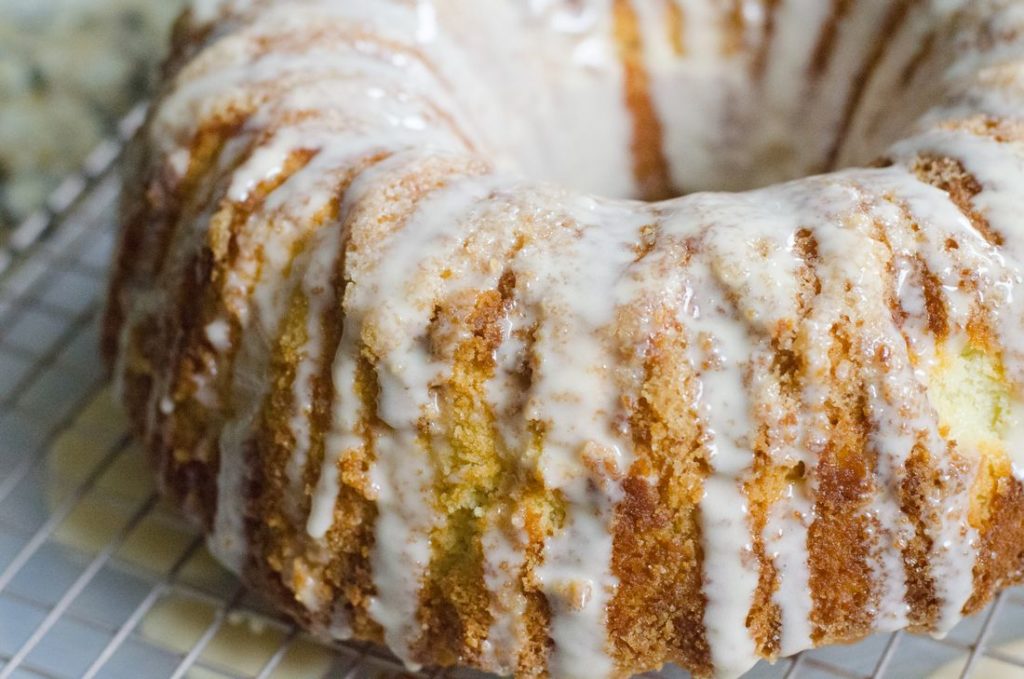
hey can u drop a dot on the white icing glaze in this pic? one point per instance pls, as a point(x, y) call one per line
point(503, 559)
point(542, 97)
point(219, 334)
point(575, 398)
point(398, 301)
point(717, 347)
point(785, 536)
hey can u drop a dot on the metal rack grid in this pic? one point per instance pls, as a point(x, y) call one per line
point(98, 578)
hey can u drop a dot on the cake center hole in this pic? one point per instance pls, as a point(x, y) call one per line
point(651, 117)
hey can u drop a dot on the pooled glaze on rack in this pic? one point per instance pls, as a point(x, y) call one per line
point(397, 333)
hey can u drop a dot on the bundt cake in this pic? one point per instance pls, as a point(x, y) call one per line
point(426, 311)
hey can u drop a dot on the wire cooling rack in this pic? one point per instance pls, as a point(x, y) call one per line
point(99, 578)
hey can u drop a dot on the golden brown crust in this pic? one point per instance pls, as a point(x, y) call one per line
point(950, 175)
point(827, 41)
point(273, 537)
point(658, 609)
point(922, 56)
point(650, 166)
point(842, 582)
point(921, 478)
point(473, 475)
point(351, 537)
point(769, 485)
point(675, 26)
point(1000, 558)
point(735, 28)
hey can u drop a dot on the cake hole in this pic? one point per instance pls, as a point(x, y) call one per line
point(652, 114)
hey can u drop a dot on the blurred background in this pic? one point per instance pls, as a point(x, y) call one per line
point(68, 70)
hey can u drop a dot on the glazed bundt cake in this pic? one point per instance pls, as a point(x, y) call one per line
point(425, 312)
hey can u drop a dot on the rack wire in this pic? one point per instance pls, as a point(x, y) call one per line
point(100, 579)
